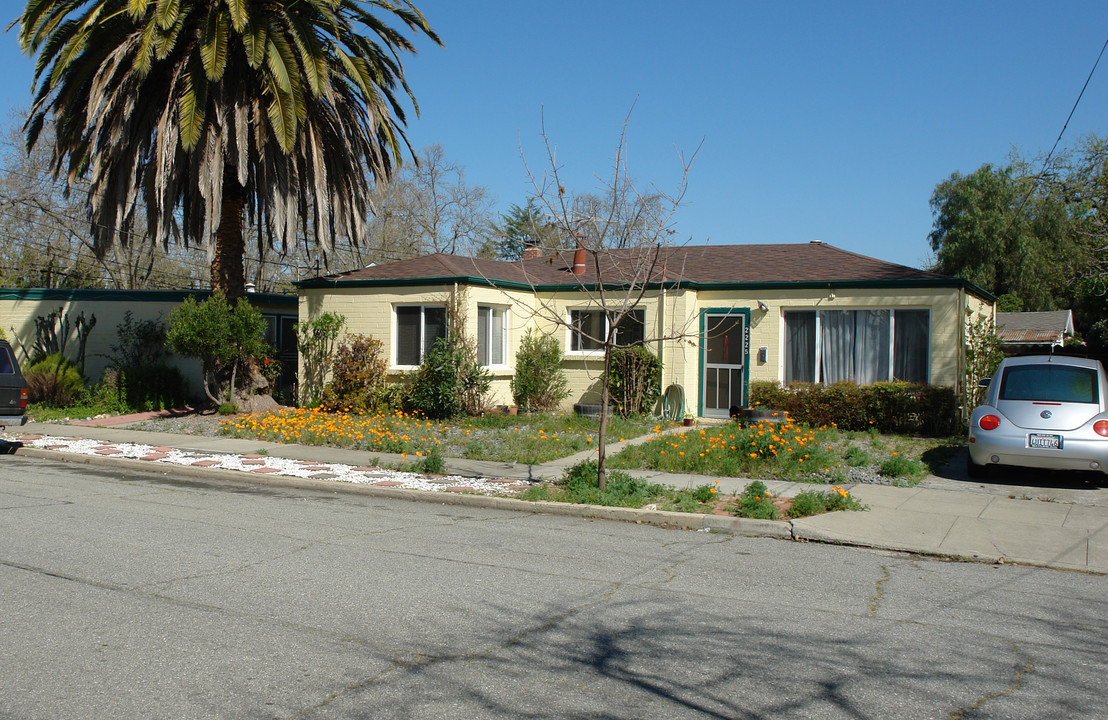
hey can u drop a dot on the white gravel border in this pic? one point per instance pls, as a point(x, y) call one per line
point(336, 472)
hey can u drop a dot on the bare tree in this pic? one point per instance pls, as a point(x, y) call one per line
point(428, 207)
point(453, 216)
point(618, 246)
point(45, 231)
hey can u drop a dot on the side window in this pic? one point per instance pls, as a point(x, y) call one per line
point(588, 330)
point(417, 328)
point(490, 335)
point(590, 327)
point(631, 328)
point(7, 366)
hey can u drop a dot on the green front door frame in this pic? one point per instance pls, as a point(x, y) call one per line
point(743, 313)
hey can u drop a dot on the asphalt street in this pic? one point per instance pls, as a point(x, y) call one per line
point(137, 595)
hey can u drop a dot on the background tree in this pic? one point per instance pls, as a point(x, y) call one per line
point(1034, 233)
point(44, 232)
point(520, 228)
point(451, 216)
point(206, 113)
point(1003, 232)
point(427, 207)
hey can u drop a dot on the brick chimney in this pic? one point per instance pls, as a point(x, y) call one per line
point(531, 252)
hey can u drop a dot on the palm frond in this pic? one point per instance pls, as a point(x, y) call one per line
point(190, 106)
point(213, 43)
point(167, 12)
point(160, 104)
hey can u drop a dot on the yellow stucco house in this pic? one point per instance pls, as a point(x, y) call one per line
point(718, 316)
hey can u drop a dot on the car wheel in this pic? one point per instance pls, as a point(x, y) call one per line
point(978, 472)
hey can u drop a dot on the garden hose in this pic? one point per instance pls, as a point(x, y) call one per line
point(673, 402)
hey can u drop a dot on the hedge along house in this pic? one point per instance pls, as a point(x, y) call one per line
point(729, 315)
point(21, 308)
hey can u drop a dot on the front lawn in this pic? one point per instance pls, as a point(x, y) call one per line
point(530, 438)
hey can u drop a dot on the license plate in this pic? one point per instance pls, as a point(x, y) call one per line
point(1051, 442)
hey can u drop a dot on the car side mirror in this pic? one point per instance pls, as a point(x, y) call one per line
point(984, 382)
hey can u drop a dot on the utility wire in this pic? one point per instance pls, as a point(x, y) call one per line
point(1074, 108)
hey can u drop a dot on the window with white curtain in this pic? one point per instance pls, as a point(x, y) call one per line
point(861, 346)
point(490, 335)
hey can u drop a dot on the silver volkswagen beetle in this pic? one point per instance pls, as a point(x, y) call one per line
point(1042, 411)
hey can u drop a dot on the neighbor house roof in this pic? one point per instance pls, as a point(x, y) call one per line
point(769, 265)
point(1034, 328)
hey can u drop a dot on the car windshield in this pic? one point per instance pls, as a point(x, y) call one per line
point(1049, 383)
point(7, 367)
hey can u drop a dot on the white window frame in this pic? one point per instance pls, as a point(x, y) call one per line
point(819, 334)
point(572, 333)
point(423, 348)
point(492, 311)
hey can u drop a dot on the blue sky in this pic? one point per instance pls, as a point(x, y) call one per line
point(830, 121)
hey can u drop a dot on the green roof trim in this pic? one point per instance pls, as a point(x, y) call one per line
point(319, 283)
point(166, 296)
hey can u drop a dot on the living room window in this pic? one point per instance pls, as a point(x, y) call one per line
point(491, 335)
point(590, 327)
point(861, 346)
point(417, 328)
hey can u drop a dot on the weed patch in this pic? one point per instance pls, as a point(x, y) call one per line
point(580, 485)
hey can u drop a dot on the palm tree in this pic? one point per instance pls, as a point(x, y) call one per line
point(195, 115)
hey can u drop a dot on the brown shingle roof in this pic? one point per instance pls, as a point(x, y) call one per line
point(784, 263)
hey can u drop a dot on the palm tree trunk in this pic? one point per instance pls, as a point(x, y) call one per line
point(228, 273)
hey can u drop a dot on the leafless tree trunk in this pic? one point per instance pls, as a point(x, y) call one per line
point(620, 240)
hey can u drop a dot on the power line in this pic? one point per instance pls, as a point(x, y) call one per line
point(1074, 108)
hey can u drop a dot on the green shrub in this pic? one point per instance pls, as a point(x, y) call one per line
point(634, 380)
point(473, 384)
point(900, 466)
point(315, 340)
point(54, 381)
point(432, 463)
point(358, 375)
point(811, 502)
point(221, 335)
point(390, 397)
point(580, 484)
point(896, 407)
point(434, 388)
point(857, 457)
point(754, 502)
point(228, 408)
point(539, 383)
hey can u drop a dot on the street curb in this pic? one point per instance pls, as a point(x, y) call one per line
point(808, 534)
point(745, 527)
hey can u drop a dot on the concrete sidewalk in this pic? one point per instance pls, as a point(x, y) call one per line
point(1061, 528)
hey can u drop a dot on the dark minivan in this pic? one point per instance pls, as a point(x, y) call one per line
point(13, 389)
